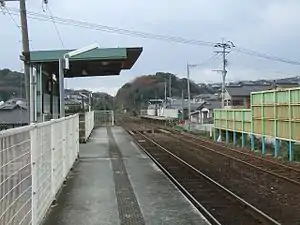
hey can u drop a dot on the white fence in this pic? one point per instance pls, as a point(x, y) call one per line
point(89, 123)
point(199, 127)
point(104, 118)
point(161, 112)
point(34, 162)
point(86, 125)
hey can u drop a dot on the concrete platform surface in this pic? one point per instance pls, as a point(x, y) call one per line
point(116, 183)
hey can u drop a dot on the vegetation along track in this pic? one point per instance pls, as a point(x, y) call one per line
point(217, 203)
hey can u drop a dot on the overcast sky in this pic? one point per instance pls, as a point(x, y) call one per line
point(267, 26)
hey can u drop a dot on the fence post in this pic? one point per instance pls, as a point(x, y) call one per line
point(113, 118)
point(291, 153)
point(64, 148)
point(252, 142)
point(276, 147)
point(215, 134)
point(263, 145)
point(34, 196)
point(243, 140)
point(234, 138)
point(227, 136)
point(77, 137)
point(53, 148)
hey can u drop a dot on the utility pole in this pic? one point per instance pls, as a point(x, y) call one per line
point(165, 104)
point(165, 91)
point(170, 86)
point(225, 49)
point(182, 98)
point(26, 52)
point(188, 86)
point(188, 90)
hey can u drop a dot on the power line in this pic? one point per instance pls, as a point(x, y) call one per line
point(10, 15)
point(117, 30)
point(263, 55)
point(264, 70)
point(121, 31)
point(54, 23)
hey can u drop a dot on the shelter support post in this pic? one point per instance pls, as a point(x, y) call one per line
point(61, 89)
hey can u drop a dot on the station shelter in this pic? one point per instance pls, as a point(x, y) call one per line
point(49, 68)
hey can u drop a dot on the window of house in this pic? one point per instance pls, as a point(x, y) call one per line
point(237, 102)
point(227, 102)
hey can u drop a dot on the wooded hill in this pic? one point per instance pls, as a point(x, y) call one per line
point(137, 93)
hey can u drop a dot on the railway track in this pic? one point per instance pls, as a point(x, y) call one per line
point(276, 169)
point(218, 204)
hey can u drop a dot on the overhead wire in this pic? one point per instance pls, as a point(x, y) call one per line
point(209, 59)
point(54, 23)
point(10, 15)
point(121, 31)
point(263, 55)
point(117, 30)
point(264, 70)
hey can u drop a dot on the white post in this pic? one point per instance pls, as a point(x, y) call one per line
point(64, 148)
point(77, 133)
point(189, 91)
point(61, 89)
point(34, 206)
point(53, 147)
point(113, 118)
point(39, 101)
point(31, 109)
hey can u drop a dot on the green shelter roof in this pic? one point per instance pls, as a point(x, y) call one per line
point(95, 62)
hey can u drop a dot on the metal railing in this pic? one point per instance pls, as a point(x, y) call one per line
point(34, 162)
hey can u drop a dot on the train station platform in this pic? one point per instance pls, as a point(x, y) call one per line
point(116, 183)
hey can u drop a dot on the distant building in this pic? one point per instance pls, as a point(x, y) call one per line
point(205, 113)
point(173, 108)
point(238, 96)
point(13, 113)
point(182, 106)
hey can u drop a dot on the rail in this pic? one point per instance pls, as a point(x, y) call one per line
point(34, 162)
point(255, 213)
point(274, 168)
